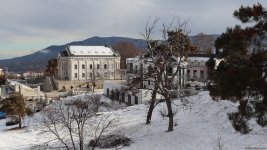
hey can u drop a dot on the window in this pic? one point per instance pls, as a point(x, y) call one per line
point(83, 75)
point(105, 66)
point(75, 66)
point(123, 97)
point(91, 66)
point(97, 66)
point(91, 74)
point(105, 74)
point(135, 99)
point(75, 75)
point(130, 67)
point(202, 75)
point(129, 99)
point(83, 66)
point(194, 74)
point(188, 74)
point(98, 74)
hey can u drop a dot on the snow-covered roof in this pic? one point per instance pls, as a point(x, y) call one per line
point(90, 51)
point(137, 58)
point(198, 58)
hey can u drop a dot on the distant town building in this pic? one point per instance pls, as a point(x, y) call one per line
point(31, 74)
point(85, 63)
point(197, 69)
point(136, 68)
point(85, 66)
point(27, 92)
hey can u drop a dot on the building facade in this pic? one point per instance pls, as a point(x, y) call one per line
point(85, 63)
point(197, 69)
point(135, 67)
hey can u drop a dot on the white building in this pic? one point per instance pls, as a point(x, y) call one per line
point(85, 63)
point(114, 89)
point(197, 69)
point(135, 67)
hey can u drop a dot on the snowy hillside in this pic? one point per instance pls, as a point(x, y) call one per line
point(198, 128)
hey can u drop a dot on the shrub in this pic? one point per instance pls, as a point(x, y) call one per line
point(110, 141)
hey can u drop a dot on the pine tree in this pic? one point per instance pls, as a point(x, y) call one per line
point(51, 67)
point(15, 107)
point(241, 75)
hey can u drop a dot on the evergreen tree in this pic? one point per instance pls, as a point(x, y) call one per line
point(15, 107)
point(51, 67)
point(241, 75)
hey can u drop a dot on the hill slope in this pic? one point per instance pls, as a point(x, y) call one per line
point(197, 128)
point(38, 60)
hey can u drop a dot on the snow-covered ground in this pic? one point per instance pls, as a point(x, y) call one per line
point(197, 128)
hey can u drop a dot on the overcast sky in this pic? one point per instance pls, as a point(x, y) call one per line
point(30, 25)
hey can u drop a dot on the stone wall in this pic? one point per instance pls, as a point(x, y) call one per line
point(76, 84)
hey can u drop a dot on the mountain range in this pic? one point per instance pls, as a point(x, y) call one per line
point(38, 60)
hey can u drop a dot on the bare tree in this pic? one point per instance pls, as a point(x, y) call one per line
point(163, 63)
point(101, 128)
point(65, 121)
point(126, 50)
point(72, 123)
point(203, 43)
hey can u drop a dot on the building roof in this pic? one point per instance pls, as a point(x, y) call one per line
point(198, 58)
point(74, 50)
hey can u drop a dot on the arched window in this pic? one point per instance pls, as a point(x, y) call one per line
point(202, 75)
point(188, 74)
point(129, 99)
point(194, 74)
point(123, 97)
point(135, 99)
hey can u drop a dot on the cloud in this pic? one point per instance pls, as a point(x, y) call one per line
point(27, 23)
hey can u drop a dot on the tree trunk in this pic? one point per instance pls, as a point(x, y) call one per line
point(81, 143)
point(93, 90)
point(151, 107)
point(20, 122)
point(170, 113)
